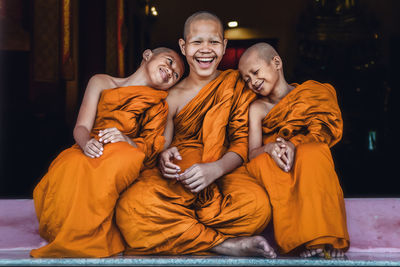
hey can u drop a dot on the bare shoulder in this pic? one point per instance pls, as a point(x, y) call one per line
point(99, 82)
point(173, 98)
point(259, 109)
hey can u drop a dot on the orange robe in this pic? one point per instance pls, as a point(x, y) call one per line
point(307, 202)
point(157, 215)
point(75, 200)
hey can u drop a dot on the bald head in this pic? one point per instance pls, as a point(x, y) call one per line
point(263, 50)
point(160, 50)
point(201, 15)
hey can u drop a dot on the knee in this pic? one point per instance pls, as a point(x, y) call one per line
point(123, 153)
point(256, 209)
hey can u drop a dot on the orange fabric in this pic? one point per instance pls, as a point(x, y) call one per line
point(157, 215)
point(75, 200)
point(307, 203)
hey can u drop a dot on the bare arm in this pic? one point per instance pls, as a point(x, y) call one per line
point(256, 115)
point(87, 115)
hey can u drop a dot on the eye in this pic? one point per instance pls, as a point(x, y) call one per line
point(176, 75)
point(170, 61)
point(215, 42)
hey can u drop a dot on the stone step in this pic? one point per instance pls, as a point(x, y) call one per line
point(373, 224)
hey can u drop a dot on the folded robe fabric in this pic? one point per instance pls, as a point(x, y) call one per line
point(75, 200)
point(307, 202)
point(157, 215)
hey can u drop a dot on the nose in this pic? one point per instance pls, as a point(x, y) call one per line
point(169, 72)
point(205, 47)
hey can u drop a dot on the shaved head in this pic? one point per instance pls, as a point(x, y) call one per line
point(160, 50)
point(264, 50)
point(201, 15)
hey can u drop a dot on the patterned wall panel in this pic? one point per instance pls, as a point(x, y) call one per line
point(46, 40)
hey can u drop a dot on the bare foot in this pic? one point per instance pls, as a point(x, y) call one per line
point(307, 253)
point(332, 253)
point(245, 246)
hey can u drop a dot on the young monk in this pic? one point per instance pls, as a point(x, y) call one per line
point(291, 127)
point(118, 131)
point(190, 205)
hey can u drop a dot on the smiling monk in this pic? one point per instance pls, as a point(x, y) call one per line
point(189, 204)
point(291, 127)
point(118, 131)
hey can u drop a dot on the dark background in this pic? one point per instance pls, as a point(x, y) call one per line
point(354, 45)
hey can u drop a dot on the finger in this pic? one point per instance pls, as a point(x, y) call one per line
point(98, 145)
point(117, 138)
point(169, 164)
point(105, 136)
point(188, 173)
point(192, 182)
point(176, 154)
point(167, 170)
point(87, 153)
point(107, 130)
point(285, 159)
point(198, 188)
point(279, 162)
point(92, 151)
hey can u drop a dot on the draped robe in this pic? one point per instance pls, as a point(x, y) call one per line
point(157, 215)
point(75, 200)
point(307, 202)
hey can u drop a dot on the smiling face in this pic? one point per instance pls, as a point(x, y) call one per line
point(164, 69)
point(204, 46)
point(261, 75)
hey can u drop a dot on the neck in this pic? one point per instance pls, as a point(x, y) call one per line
point(200, 81)
point(138, 78)
point(281, 89)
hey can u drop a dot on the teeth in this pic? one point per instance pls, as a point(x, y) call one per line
point(205, 59)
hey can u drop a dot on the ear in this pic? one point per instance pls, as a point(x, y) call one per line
point(277, 62)
point(147, 54)
point(225, 43)
point(182, 44)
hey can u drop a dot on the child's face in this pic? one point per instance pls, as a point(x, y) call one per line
point(164, 70)
point(259, 75)
point(204, 47)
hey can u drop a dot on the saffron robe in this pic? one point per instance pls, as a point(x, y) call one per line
point(75, 200)
point(307, 202)
point(157, 215)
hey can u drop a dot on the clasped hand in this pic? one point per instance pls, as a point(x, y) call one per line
point(195, 178)
point(94, 148)
point(282, 152)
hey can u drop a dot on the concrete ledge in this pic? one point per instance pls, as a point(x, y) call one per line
point(18, 258)
point(373, 223)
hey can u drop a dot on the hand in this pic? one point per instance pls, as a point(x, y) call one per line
point(282, 152)
point(112, 135)
point(288, 149)
point(167, 168)
point(199, 176)
point(93, 148)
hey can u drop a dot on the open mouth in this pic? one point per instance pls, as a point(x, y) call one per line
point(164, 75)
point(205, 62)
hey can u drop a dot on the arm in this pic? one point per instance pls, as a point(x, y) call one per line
point(281, 151)
point(255, 129)
point(86, 117)
point(166, 165)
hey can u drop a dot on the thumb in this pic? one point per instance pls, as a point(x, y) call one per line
point(176, 153)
